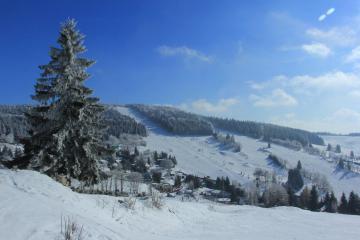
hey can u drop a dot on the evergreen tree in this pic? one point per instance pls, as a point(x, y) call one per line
point(295, 180)
point(136, 152)
point(333, 202)
point(343, 207)
point(341, 163)
point(66, 125)
point(299, 166)
point(338, 149)
point(348, 166)
point(354, 203)
point(314, 199)
point(218, 183)
point(156, 156)
point(329, 147)
point(227, 182)
point(327, 202)
point(352, 155)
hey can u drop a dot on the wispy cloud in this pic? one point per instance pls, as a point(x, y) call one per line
point(336, 36)
point(334, 80)
point(333, 122)
point(322, 17)
point(185, 52)
point(204, 106)
point(277, 98)
point(355, 93)
point(317, 49)
point(354, 55)
point(311, 84)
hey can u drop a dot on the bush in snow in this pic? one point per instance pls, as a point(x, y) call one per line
point(227, 141)
point(275, 195)
point(134, 179)
point(130, 202)
point(156, 199)
point(70, 230)
point(277, 161)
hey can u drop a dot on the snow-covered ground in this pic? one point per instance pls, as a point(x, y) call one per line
point(32, 204)
point(347, 143)
point(199, 155)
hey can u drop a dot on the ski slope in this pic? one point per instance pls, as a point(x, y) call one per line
point(32, 204)
point(200, 156)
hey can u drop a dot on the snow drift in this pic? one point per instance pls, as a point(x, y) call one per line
point(32, 204)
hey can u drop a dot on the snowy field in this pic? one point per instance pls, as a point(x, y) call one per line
point(31, 206)
point(198, 155)
point(347, 143)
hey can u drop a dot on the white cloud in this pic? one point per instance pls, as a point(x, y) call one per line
point(345, 115)
point(354, 55)
point(355, 93)
point(183, 51)
point(257, 86)
point(322, 17)
point(204, 106)
point(279, 80)
point(328, 13)
point(335, 80)
point(336, 36)
point(277, 98)
point(343, 120)
point(317, 49)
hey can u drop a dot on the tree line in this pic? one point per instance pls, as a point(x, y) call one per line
point(14, 124)
point(175, 120)
point(266, 131)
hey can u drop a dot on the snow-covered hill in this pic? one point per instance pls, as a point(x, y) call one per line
point(32, 204)
point(199, 155)
point(347, 143)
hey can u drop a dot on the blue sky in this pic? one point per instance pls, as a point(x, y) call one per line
point(295, 63)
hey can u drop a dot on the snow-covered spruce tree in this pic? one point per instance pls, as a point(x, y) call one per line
point(66, 135)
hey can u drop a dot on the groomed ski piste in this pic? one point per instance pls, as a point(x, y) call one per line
point(201, 156)
point(32, 205)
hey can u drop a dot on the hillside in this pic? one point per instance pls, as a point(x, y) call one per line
point(24, 193)
point(201, 156)
point(184, 123)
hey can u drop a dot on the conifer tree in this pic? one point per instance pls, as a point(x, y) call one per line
point(352, 155)
point(326, 202)
point(333, 201)
point(66, 125)
point(343, 206)
point(354, 203)
point(330, 203)
point(329, 147)
point(314, 199)
point(299, 166)
point(338, 148)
